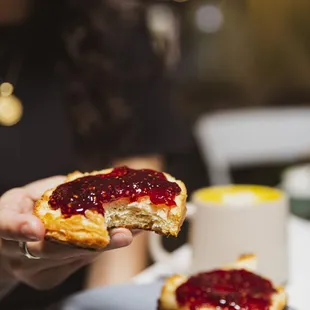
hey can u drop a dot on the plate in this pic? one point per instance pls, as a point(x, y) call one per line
point(118, 297)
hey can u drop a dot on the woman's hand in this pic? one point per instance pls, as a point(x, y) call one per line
point(57, 262)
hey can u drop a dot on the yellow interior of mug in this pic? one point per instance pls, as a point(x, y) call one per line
point(235, 194)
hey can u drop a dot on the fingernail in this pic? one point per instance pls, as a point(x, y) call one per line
point(122, 239)
point(28, 233)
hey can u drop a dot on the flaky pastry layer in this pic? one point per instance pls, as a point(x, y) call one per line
point(91, 231)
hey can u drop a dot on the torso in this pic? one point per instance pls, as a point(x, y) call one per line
point(40, 144)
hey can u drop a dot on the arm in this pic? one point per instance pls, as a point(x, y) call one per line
point(120, 266)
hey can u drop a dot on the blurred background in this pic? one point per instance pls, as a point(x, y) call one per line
point(225, 56)
point(218, 91)
point(240, 76)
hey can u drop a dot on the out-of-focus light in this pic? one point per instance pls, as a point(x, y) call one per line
point(209, 18)
point(160, 19)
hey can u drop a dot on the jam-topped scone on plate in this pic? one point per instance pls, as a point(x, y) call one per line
point(82, 209)
point(235, 287)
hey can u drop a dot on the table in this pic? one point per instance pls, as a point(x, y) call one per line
point(298, 287)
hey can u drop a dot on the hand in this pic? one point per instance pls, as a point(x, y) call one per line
point(17, 223)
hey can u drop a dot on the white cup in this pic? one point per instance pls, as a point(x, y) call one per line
point(296, 183)
point(228, 221)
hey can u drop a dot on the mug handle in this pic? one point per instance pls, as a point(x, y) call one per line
point(156, 249)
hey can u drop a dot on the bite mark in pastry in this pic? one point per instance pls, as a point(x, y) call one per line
point(82, 209)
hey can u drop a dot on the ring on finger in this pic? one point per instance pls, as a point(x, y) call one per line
point(25, 251)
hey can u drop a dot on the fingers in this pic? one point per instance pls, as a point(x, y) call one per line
point(16, 219)
point(50, 250)
point(37, 188)
point(16, 200)
point(23, 227)
point(57, 261)
point(120, 237)
point(136, 232)
point(16, 205)
point(17, 223)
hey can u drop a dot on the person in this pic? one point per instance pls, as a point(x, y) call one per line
point(18, 223)
point(89, 84)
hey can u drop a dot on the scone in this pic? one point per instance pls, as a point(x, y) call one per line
point(234, 287)
point(82, 209)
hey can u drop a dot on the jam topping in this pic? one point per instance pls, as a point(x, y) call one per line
point(93, 191)
point(226, 290)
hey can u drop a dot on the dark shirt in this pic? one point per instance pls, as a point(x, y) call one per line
point(41, 144)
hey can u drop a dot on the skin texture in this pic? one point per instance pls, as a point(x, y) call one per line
point(17, 223)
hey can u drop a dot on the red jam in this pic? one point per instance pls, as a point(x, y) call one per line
point(226, 290)
point(92, 192)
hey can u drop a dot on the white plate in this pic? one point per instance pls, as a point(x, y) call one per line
point(118, 297)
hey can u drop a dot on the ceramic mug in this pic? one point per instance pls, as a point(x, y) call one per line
point(296, 183)
point(228, 221)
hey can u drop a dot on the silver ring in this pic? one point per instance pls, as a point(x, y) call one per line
point(24, 249)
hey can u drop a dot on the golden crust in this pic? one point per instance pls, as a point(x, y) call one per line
point(87, 231)
point(167, 299)
point(181, 204)
point(90, 231)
